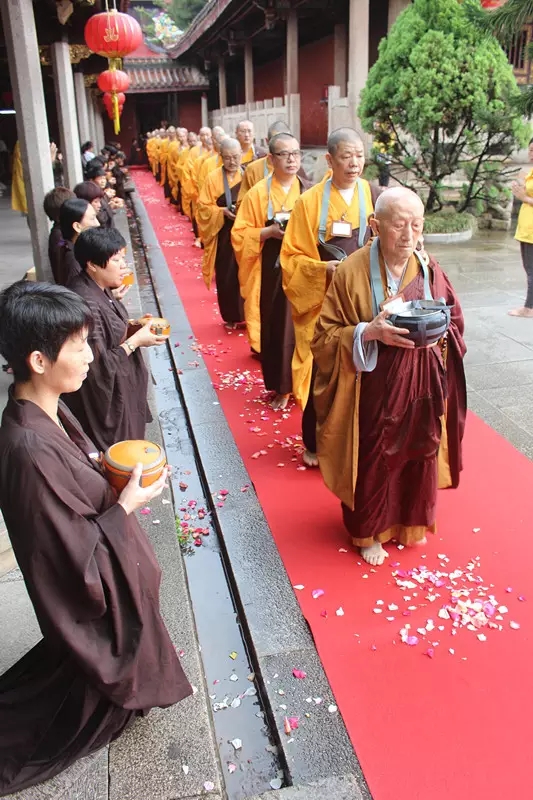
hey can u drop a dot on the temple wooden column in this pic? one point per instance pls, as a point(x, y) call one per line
point(81, 106)
point(248, 72)
point(291, 60)
point(66, 112)
point(32, 127)
point(340, 63)
point(395, 9)
point(205, 113)
point(222, 91)
point(358, 40)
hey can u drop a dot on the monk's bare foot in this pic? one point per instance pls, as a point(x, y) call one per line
point(197, 243)
point(521, 312)
point(420, 542)
point(279, 402)
point(310, 459)
point(374, 555)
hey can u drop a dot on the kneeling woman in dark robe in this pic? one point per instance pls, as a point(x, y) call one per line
point(111, 404)
point(92, 576)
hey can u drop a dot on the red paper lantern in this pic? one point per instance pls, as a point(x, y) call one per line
point(112, 34)
point(113, 80)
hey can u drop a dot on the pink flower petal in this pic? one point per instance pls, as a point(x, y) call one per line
point(316, 593)
point(430, 652)
point(293, 722)
point(145, 511)
point(300, 674)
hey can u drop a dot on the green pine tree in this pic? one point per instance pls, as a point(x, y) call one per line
point(182, 12)
point(444, 97)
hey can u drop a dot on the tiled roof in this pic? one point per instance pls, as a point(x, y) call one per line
point(164, 79)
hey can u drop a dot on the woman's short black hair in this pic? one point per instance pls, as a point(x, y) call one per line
point(98, 245)
point(530, 142)
point(94, 170)
point(71, 211)
point(86, 146)
point(38, 316)
point(54, 199)
point(87, 190)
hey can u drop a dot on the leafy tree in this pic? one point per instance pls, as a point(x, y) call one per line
point(441, 97)
point(182, 12)
point(505, 22)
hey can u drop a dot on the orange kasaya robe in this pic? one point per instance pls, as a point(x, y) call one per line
point(163, 156)
point(172, 163)
point(182, 158)
point(387, 438)
point(208, 165)
point(248, 247)
point(210, 218)
point(18, 189)
point(188, 180)
point(254, 172)
point(151, 148)
point(304, 274)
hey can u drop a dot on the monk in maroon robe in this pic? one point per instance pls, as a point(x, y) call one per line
point(111, 404)
point(390, 415)
point(91, 574)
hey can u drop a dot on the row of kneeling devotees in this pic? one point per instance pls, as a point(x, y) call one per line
point(344, 310)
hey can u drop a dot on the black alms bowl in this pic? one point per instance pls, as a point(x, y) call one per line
point(426, 320)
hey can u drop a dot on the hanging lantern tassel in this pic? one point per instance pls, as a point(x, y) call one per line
point(116, 112)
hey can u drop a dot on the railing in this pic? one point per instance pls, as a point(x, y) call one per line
point(262, 113)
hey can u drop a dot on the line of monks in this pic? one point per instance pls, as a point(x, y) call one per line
point(292, 261)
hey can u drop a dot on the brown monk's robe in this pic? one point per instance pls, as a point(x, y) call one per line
point(268, 316)
point(111, 404)
point(387, 438)
point(93, 579)
point(304, 270)
point(65, 267)
point(218, 256)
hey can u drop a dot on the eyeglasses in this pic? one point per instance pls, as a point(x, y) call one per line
point(231, 158)
point(286, 154)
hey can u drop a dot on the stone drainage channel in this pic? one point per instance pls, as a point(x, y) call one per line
point(228, 665)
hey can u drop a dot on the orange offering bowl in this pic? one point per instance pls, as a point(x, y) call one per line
point(128, 279)
point(120, 459)
point(160, 326)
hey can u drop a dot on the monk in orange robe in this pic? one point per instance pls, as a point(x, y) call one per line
point(257, 236)
point(197, 152)
point(215, 216)
point(244, 133)
point(167, 142)
point(174, 149)
point(151, 147)
point(213, 161)
point(390, 415)
point(328, 223)
point(182, 158)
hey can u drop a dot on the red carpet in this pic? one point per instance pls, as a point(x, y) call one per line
point(446, 714)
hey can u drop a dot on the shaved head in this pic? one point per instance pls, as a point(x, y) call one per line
point(397, 198)
point(279, 140)
point(227, 145)
point(279, 126)
point(342, 136)
point(218, 130)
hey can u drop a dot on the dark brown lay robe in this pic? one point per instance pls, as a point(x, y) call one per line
point(229, 298)
point(111, 404)
point(387, 439)
point(106, 215)
point(93, 579)
point(65, 267)
point(54, 240)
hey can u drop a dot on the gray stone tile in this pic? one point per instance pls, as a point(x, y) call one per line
point(320, 748)
point(498, 376)
point(85, 780)
point(20, 631)
point(516, 434)
point(509, 395)
point(344, 787)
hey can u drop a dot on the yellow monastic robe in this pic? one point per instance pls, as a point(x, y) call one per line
point(304, 274)
point(210, 218)
point(245, 238)
point(18, 190)
point(207, 166)
point(188, 181)
point(172, 163)
point(254, 172)
point(150, 148)
point(182, 158)
point(163, 156)
point(250, 155)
